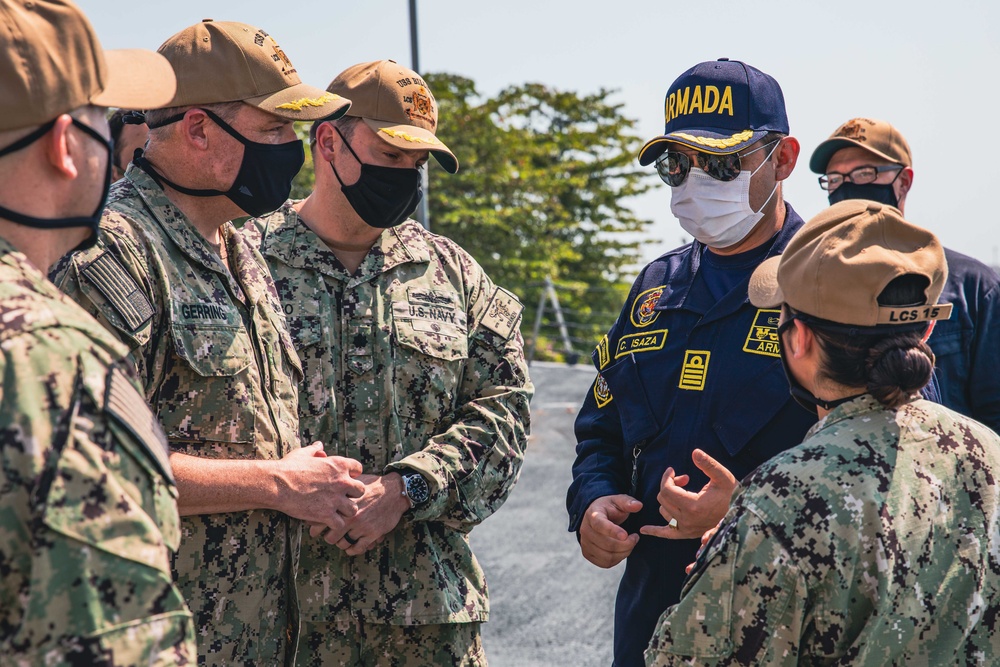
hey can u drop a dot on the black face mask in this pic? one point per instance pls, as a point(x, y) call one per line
point(92, 221)
point(265, 177)
point(883, 194)
point(803, 396)
point(383, 196)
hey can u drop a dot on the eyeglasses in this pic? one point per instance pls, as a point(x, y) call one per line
point(860, 176)
point(674, 166)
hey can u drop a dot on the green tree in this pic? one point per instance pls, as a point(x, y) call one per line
point(542, 191)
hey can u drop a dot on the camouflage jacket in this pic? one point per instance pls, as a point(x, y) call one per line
point(210, 346)
point(874, 542)
point(88, 505)
point(413, 363)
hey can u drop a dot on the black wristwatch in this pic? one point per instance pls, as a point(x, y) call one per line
point(415, 489)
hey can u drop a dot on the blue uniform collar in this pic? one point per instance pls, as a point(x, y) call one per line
point(677, 294)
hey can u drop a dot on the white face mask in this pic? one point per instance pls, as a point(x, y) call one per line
point(717, 213)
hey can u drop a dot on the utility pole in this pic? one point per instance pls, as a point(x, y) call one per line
point(424, 214)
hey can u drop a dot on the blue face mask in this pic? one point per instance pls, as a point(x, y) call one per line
point(883, 194)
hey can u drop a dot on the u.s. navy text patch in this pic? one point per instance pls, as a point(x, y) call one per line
point(763, 335)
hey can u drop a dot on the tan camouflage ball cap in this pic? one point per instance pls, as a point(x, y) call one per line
point(51, 62)
point(397, 105)
point(837, 265)
point(875, 136)
point(225, 61)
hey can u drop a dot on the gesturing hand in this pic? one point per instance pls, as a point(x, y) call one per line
point(689, 514)
point(602, 539)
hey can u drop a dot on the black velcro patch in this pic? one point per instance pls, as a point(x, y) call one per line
point(118, 287)
point(126, 405)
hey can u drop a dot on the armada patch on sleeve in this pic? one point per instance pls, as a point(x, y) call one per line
point(502, 313)
point(108, 275)
point(129, 408)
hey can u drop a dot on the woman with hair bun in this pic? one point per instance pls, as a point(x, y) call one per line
point(877, 540)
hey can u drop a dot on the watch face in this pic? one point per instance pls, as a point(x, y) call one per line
point(417, 489)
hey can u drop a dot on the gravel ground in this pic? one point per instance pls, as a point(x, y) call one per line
point(548, 606)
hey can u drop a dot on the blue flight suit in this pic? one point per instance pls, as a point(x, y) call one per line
point(679, 370)
point(967, 345)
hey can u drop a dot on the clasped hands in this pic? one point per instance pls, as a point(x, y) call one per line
point(689, 515)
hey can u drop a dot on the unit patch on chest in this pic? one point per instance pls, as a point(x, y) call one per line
point(694, 372)
point(645, 341)
point(602, 394)
point(763, 336)
point(642, 313)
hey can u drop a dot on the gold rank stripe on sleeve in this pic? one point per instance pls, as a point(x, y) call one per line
point(108, 275)
point(130, 409)
point(763, 335)
point(694, 372)
point(502, 313)
point(644, 341)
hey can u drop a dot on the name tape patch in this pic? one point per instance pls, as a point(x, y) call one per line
point(763, 335)
point(695, 370)
point(645, 341)
point(429, 313)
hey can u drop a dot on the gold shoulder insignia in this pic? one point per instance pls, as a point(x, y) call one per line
point(114, 282)
point(502, 313)
point(127, 406)
point(603, 354)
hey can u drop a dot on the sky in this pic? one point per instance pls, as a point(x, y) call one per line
point(932, 69)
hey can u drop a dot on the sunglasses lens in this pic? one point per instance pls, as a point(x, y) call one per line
point(673, 168)
point(722, 167)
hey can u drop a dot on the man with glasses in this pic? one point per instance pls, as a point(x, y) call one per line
point(690, 384)
point(870, 159)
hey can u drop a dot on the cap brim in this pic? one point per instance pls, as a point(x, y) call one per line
point(821, 156)
point(137, 79)
point(705, 140)
point(764, 290)
point(302, 102)
point(413, 138)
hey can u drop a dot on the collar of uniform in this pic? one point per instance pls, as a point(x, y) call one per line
point(173, 221)
point(863, 404)
point(246, 266)
point(689, 263)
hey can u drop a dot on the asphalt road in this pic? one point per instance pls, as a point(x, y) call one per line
point(548, 606)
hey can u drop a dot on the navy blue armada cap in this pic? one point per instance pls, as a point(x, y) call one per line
point(721, 106)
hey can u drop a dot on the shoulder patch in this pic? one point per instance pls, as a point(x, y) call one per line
point(130, 409)
point(642, 313)
point(763, 336)
point(603, 355)
point(602, 393)
point(502, 313)
point(108, 275)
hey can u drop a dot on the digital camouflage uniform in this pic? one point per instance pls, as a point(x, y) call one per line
point(874, 542)
point(88, 509)
point(413, 363)
point(213, 353)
